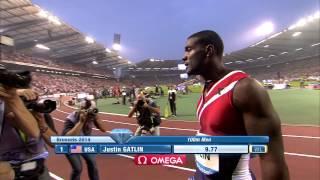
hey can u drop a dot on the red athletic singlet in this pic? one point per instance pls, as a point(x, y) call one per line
point(219, 117)
point(215, 110)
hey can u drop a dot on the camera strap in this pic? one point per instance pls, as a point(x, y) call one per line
point(22, 135)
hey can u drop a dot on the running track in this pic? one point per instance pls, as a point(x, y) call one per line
point(302, 149)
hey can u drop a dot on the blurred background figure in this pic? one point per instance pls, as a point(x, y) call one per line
point(172, 94)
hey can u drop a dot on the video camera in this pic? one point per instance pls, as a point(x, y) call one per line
point(92, 111)
point(41, 106)
point(20, 80)
point(15, 79)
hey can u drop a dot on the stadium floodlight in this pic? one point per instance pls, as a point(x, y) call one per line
point(184, 76)
point(89, 40)
point(275, 35)
point(264, 29)
point(94, 62)
point(296, 34)
point(316, 44)
point(182, 67)
point(239, 62)
point(301, 22)
point(292, 27)
point(41, 46)
point(43, 14)
point(54, 20)
point(116, 47)
point(316, 15)
point(119, 57)
point(47, 15)
point(108, 50)
point(260, 42)
point(284, 53)
point(266, 46)
point(299, 49)
point(310, 18)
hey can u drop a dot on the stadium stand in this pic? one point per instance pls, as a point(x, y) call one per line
point(53, 84)
point(32, 30)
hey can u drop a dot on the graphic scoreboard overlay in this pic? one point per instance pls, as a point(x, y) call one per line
point(122, 141)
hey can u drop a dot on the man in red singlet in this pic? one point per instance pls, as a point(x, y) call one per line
point(232, 103)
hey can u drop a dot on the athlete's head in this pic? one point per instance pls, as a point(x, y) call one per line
point(203, 50)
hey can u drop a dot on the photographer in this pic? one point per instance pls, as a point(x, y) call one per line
point(25, 153)
point(148, 116)
point(11, 102)
point(80, 123)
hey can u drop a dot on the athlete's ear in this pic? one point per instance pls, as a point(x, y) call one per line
point(210, 50)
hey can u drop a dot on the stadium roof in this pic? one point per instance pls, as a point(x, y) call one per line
point(298, 41)
point(34, 28)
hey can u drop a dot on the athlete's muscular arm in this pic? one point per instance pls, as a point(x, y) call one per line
point(260, 118)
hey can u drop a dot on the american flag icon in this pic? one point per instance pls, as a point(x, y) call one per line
point(75, 149)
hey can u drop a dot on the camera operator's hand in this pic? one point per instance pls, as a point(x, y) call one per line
point(8, 94)
point(83, 116)
point(135, 104)
point(152, 130)
point(22, 118)
point(45, 130)
point(28, 94)
point(6, 171)
point(40, 119)
point(145, 105)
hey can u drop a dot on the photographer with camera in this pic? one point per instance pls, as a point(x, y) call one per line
point(11, 102)
point(23, 129)
point(80, 123)
point(148, 116)
point(26, 153)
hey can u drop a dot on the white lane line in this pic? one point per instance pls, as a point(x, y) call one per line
point(301, 125)
point(307, 137)
point(302, 155)
point(287, 153)
point(194, 130)
point(55, 176)
point(181, 168)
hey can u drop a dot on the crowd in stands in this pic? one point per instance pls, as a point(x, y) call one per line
point(21, 57)
point(158, 79)
point(299, 69)
point(51, 84)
